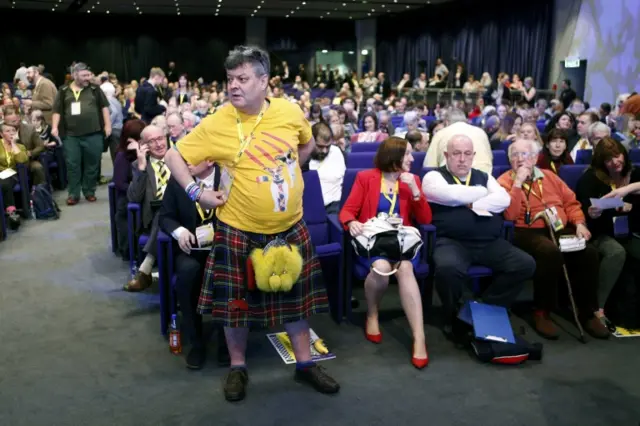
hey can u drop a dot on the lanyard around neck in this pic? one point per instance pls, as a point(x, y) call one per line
point(385, 193)
point(468, 181)
point(246, 140)
point(8, 156)
point(76, 95)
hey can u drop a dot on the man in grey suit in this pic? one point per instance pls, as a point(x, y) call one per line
point(150, 178)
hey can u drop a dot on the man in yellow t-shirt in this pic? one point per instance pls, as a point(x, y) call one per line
point(259, 144)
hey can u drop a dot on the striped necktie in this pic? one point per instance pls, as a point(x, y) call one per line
point(162, 177)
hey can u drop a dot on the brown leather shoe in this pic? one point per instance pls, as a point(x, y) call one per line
point(140, 283)
point(91, 198)
point(72, 201)
point(596, 328)
point(544, 326)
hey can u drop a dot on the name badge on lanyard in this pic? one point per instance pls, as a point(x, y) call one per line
point(75, 106)
point(554, 220)
point(204, 235)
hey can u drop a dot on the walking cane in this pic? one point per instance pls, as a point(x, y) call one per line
point(566, 273)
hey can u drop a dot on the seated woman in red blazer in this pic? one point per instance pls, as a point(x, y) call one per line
point(390, 188)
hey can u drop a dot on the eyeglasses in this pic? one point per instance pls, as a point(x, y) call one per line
point(159, 140)
point(523, 155)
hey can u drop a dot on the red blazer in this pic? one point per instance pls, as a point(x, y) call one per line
point(363, 200)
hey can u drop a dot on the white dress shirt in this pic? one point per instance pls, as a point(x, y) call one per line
point(484, 157)
point(493, 199)
point(331, 171)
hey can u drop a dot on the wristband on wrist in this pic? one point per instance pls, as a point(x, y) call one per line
point(193, 191)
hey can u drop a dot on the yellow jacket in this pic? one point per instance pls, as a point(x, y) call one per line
point(8, 159)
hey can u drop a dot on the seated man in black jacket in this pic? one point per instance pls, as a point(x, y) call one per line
point(189, 225)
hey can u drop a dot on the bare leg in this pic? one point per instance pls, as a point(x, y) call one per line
point(300, 338)
point(237, 344)
point(412, 304)
point(374, 288)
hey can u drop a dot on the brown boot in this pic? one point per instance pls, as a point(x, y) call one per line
point(141, 282)
point(596, 328)
point(544, 326)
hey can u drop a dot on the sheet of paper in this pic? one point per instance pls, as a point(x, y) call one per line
point(7, 173)
point(481, 212)
point(606, 203)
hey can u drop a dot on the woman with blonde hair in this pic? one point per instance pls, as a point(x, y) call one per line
point(529, 131)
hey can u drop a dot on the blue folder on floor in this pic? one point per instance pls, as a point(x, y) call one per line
point(489, 322)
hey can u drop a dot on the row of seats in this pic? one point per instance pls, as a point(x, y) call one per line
point(362, 154)
point(331, 242)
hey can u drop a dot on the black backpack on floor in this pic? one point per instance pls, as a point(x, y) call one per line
point(44, 207)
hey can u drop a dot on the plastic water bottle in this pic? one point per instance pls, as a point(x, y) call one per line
point(175, 345)
point(32, 210)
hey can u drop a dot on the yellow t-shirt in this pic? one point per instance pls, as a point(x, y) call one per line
point(266, 195)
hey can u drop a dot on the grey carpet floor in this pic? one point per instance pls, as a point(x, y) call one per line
point(76, 350)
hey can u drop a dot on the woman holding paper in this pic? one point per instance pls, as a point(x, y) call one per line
point(611, 228)
point(11, 154)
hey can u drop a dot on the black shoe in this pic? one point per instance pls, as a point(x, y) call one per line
point(14, 221)
point(235, 383)
point(223, 354)
point(197, 357)
point(318, 378)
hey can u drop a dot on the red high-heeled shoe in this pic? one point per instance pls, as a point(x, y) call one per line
point(420, 363)
point(374, 338)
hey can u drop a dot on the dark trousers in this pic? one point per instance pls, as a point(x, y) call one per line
point(583, 268)
point(511, 268)
point(332, 208)
point(36, 170)
point(121, 225)
point(6, 185)
point(83, 155)
point(189, 270)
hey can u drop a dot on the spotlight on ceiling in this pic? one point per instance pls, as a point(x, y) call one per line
point(365, 52)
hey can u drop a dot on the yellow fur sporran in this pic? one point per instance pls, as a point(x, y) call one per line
point(277, 267)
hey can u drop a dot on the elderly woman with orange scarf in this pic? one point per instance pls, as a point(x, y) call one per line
point(536, 193)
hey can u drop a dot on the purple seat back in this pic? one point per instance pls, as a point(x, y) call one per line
point(347, 184)
point(570, 174)
point(314, 213)
point(634, 155)
point(504, 145)
point(365, 146)
point(500, 158)
point(360, 160)
point(499, 170)
point(583, 156)
point(418, 161)
point(397, 120)
point(424, 171)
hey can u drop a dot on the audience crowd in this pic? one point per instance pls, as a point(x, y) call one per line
point(493, 153)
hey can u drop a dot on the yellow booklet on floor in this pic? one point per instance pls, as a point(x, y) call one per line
point(626, 332)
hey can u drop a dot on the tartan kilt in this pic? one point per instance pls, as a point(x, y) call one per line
point(224, 281)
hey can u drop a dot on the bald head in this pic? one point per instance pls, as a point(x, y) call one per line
point(459, 155)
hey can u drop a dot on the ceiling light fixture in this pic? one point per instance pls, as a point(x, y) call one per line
point(365, 52)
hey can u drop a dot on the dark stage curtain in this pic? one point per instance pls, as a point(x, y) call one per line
point(297, 40)
point(492, 36)
point(126, 45)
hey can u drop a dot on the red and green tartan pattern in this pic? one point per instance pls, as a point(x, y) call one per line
point(224, 281)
